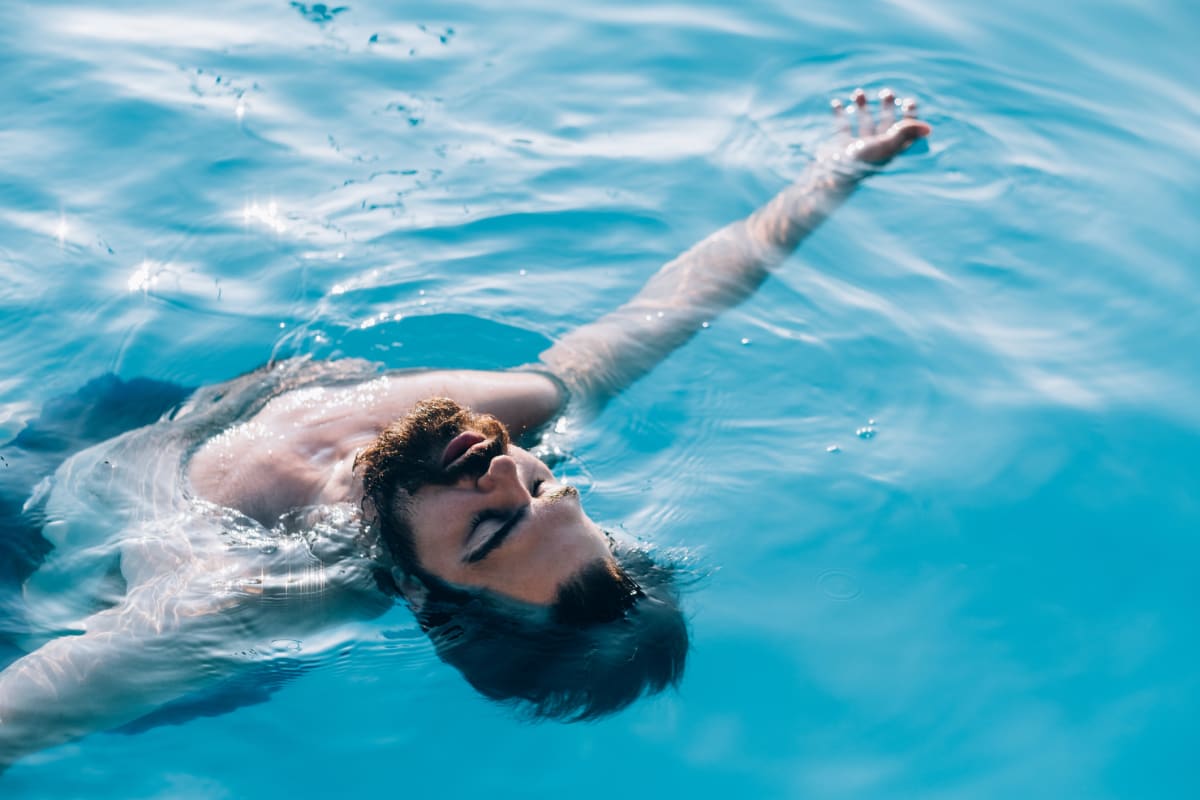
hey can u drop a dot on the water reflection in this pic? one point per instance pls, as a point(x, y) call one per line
point(146, 276)
point(264, 214)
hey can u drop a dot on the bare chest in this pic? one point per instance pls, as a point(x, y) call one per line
point(292, 454)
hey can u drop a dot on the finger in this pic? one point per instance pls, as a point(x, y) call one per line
point(910, 109)
point(908, 131)
point(866, 125)
point(880, 149)
point(887, 108)
point(839, 115)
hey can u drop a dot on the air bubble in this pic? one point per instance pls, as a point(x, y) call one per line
point(865, 433)
point(838, 585)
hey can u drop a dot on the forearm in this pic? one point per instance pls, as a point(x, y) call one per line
point(600, 359)
point(132, 660)
point(70, 687)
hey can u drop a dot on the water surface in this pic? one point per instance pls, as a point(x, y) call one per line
point(991, 593)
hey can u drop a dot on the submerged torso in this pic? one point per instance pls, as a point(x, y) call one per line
point(125, 511)
point(245, 497)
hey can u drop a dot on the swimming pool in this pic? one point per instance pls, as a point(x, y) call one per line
point(985, 588)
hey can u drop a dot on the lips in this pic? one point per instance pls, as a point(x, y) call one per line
point(459, 445)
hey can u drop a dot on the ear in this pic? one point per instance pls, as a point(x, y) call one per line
point(413, 589)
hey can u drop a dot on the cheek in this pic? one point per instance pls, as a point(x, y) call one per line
point(565, 544)
point(433, 538)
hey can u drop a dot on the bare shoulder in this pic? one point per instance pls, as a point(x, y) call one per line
point(298, 450)
point(522, 400)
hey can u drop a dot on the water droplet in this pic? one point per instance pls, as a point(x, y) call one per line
point(865, 433)
point(283, 325)
point(522, 273)
point(703, 324)
point(870, 422)
point(838, 585)
point(745, 340)
point(833, 448)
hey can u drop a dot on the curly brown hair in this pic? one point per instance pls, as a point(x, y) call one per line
point(614, 631)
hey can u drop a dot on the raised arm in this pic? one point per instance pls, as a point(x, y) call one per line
point(598, 360)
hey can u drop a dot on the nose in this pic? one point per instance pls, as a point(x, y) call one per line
point(503, 479)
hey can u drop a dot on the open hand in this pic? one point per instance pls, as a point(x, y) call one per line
point(877, 143)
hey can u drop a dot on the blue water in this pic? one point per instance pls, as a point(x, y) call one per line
point(992, 596)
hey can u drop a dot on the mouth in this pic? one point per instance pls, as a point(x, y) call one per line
point(460, 446)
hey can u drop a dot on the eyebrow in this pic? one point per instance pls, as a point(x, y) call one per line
point(497, 538)
point(557, 496)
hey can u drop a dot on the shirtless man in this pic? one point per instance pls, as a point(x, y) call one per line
point(307, 493)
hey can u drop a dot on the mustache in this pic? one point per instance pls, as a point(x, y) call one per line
point(408, 453)
point(475, 464)
point(561, 493)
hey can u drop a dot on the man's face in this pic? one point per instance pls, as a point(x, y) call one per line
point(490, 515)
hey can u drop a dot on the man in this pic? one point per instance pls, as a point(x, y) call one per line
point(269, 507)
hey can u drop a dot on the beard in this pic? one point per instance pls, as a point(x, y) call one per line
point(408, 453)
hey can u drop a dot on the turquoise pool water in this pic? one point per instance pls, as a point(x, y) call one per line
point(994, 595)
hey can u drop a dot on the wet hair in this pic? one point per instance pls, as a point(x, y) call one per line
point(613, 632)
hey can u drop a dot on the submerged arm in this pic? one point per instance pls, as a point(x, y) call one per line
point(600, 359)
point(195, 614)
point(133, 658)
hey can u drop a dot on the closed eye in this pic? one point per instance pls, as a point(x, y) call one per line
point(491, 514)
point(479, 519)
point(496, 538)
point(480, 529)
